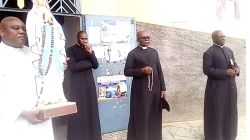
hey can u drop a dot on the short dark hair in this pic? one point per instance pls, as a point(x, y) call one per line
point(81, 32)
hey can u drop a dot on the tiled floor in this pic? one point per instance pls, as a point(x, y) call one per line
point(190, 130)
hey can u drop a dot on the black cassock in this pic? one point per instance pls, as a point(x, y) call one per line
point(145, 121)
point(85, 124)
point(220, 103)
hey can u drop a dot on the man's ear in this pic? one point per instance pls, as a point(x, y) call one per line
point(2, 28)
point(1, 31)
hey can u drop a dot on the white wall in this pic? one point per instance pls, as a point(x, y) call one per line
point(199, 15)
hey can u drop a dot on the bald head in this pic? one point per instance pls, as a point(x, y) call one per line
point(214, 34)
point(6, 20)
point(218, 37)
point(143, 38)
point(139, 33)
point(13, 32)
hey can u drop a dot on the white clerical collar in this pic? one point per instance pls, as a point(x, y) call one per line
point(218, 45)
point(79, 44)
point(144, 48)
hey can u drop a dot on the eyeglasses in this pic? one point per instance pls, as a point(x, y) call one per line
point(145, 37)
point(221, 36)
point(83, 38)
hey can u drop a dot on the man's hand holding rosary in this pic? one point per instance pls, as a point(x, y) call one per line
point(147, 70)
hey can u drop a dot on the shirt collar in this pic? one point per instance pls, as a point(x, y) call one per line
point(79, 45)
point(5, 45)
point(218, 45)
point(144, 48)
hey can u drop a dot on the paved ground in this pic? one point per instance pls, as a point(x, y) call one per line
point(190, 130)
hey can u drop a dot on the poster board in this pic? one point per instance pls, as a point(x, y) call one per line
point(112, 38)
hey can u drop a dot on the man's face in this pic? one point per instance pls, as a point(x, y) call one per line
point(220, 38)
point(82, 39)
point(13, 33)
point(143, 39)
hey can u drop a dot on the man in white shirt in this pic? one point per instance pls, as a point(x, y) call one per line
point(18, 99)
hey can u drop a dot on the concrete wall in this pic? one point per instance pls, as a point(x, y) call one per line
point(181, 54)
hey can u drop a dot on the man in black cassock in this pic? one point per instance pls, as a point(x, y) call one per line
point(85, 124)
point(148, 87)
point(220, 104)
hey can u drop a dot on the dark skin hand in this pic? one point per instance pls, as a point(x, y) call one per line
point(237, 70)
point(88, 48)
point(230, 72)
point(65, 63)
point(146, 70)
point(31, 116)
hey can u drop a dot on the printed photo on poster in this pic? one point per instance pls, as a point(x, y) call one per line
point(112, 87)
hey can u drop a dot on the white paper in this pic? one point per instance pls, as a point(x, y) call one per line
point(94, 35)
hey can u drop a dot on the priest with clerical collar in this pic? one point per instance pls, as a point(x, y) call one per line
point(147, 91)
point(220, 101)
